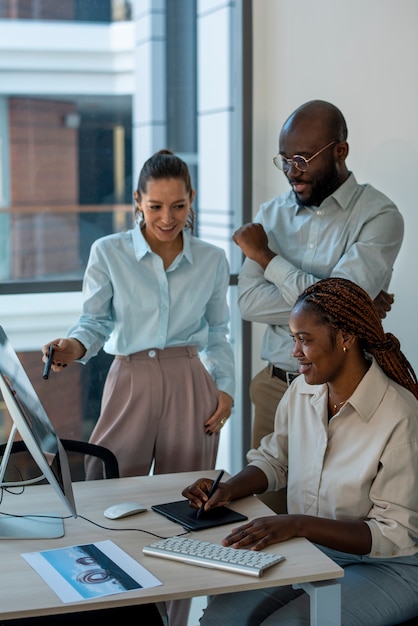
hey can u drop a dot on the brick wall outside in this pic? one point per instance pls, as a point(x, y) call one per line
point(44, 178)
point(37, 9)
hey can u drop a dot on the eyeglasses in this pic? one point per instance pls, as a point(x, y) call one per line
point(297, 161)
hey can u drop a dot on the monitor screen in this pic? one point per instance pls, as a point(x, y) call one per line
point(31, 421)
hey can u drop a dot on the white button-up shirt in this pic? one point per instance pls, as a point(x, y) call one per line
point(362, 464)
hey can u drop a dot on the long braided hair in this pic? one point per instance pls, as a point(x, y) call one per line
point(345, 306)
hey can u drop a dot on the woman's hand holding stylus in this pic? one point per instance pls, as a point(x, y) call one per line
point(198, 494)
point(65, 352)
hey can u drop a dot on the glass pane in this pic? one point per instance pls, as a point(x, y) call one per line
point(74, 10)
point(70, 183)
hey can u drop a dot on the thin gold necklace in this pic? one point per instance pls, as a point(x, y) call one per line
point(337, 406)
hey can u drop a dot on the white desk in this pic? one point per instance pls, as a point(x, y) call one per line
point(305, 565)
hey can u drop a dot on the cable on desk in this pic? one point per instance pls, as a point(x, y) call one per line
point(86, 519)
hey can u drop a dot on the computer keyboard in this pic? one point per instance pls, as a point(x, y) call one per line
point(213, 555)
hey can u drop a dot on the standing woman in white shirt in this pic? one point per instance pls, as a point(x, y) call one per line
point(156, 297)
point(345, 442)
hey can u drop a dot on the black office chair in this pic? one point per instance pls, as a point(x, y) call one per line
point(21, 465)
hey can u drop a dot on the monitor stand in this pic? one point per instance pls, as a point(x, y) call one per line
point(31, 527)
point(27, 526)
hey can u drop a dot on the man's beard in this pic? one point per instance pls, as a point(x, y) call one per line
point(321, 189)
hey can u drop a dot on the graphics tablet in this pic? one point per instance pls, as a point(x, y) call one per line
point(182, 513)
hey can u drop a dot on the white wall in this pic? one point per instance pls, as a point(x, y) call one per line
point(361, 55)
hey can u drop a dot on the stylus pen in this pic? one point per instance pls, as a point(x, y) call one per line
point(48, 362)
point(211, 492)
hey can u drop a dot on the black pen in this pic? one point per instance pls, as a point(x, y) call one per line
point(48, 362)
point(211, 492)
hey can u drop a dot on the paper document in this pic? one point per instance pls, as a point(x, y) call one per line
point(87, 571)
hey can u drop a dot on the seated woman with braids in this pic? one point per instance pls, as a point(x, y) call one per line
point(345, 442)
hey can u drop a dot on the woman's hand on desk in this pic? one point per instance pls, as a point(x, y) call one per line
point(352, 536)
point(261, 532)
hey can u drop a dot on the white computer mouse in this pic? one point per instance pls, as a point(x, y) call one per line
point(123, 509)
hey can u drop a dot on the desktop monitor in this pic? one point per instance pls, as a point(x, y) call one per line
point(31, 421)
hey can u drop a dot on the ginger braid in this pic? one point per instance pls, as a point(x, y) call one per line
point(345, 306)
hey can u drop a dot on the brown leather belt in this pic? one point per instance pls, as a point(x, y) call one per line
point(286, 377)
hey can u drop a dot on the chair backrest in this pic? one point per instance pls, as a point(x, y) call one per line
point(78, 450)
point(21, 465)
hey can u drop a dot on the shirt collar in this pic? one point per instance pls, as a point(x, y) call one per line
point(362, 401)
point(344, 194)
point(187, 248)
point(142, 247)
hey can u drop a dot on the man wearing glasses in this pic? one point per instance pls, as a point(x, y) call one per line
point(326, 225)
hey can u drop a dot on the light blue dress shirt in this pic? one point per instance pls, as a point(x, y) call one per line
point(131, 303)
point(356, 233)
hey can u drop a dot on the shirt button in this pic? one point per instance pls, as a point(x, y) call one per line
point(152, 353)
point(318, 213)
